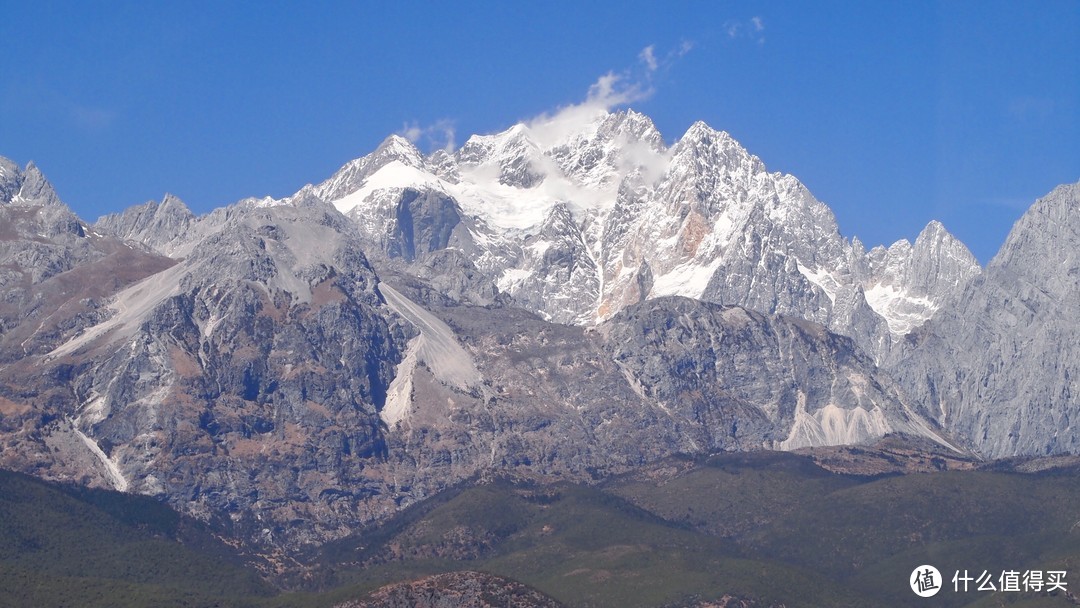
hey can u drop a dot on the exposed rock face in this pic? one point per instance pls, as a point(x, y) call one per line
point(27, 188)
point(243, 382)
point(752, 381)
point(456, 590)
point(54, 271)
point(568, 307)
point(999, 368)
point(270, 379)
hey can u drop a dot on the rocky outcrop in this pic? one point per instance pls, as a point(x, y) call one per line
point(158, 226)
point(998, 367)
point(242, 383)
point(455, 590)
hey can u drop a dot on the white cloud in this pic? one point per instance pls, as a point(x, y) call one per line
point(750, 29)
point(610, 91)
point(438, 135)
point(648, 57)
point(411, 131)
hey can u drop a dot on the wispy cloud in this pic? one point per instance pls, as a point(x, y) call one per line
point(36, 100)
point(90, 118)
point(610, 91)
point(438, 135)
point(648, 57)
point(749, 29)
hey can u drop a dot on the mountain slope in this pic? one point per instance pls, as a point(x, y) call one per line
point(270, 379)
point(69, 546)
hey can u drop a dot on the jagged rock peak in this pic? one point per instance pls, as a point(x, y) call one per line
point(997, 365)
point(8, 167)
point(173, 204)
point(624, 127)
point(712, 149)
point(940, 259)
point(154, 224)
point(27, 187)
point(398, 148)
point(10, 179)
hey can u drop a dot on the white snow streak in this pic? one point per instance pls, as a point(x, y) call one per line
point(112, 471)
point(131, 306)
point(823, 279)
point(901, 311)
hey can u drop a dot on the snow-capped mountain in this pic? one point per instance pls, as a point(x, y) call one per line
point(577, 222)
point(253, 364)
point(564, 300)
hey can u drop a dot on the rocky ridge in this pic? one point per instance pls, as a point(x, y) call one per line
point(577, 227)
point(455, 590)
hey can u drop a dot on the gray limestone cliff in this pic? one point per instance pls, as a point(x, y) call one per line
point(1000, 366)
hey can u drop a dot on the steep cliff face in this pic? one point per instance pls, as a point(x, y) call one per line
point(1000, 367)
point(242, 382)
point(752, 381)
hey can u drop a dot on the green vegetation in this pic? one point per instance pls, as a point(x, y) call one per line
point(62, 546)
point(772, 528)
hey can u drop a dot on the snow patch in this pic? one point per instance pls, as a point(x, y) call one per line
point(689, 280)
point(131, 306)
point(511, 278)
point(396, 175)
point(901, 311)
point(480, 194)
point(822, 279)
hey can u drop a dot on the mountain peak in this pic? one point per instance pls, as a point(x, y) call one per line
point(396, 147)
point(701, 135)
point(29, 187)
point(7, 167)
point(1037, 236)
point(173, 202)
point(10, 179)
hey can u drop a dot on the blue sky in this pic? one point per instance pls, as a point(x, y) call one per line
point(892, 113)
